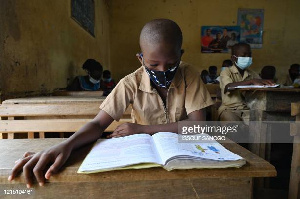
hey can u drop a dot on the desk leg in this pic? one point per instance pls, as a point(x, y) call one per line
point(12, 134)
point(30, 135)
point(294, 176)
point(42, 134)
point(257, 133)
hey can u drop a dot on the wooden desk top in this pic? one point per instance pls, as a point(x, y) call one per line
point(78, 93)
point(11, 150)
point(54, 100)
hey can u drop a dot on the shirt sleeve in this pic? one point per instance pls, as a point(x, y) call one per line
point(225, 78)
point(118, 100)
point(197, 96)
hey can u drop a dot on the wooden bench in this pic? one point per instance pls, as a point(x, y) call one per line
point(295, 165)
point(53, 117)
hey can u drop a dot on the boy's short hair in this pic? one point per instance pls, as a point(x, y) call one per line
point(161, 30)
point(295, 66)
point(227, 63)
point(235, 47)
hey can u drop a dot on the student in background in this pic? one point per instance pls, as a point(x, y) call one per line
point(89, 82)
point(233, 106)
point(205, 77)
point(107, 83)
point(268, 72)
point(213, 70)
point(163, 91)
point(294, 73)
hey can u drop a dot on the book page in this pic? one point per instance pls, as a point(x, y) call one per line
point(108, 154)
point(169, 148)
point(258, 86)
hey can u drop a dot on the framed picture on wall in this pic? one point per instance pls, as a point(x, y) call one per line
point(251, 22)
point(219, 39)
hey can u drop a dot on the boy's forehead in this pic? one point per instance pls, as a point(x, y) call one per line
point(243, 49)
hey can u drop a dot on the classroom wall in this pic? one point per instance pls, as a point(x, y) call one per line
point(281, 30)
point(42, 46)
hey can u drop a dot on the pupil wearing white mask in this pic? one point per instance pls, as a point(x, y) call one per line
point(89, 82)
point(233, 107)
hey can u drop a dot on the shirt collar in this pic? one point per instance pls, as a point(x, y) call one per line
point(234, 69)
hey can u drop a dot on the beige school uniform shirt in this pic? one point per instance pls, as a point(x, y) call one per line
point(235, 99)
point(186, 94)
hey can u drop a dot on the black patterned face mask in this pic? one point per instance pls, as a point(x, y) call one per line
point(161, 78)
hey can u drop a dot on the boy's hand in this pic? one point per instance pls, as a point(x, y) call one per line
point(126, 129)
point(262, 82)
point(37, 165)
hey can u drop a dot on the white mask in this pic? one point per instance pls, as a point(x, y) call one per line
point(243, 62)
point(94, 81)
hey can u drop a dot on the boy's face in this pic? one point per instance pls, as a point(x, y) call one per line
point(96, 74)
point(160, 57)
point(242, 51)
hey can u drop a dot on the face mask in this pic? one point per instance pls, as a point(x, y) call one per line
point(94, 81)
point(107, 79)
point(160, 78)
point(243, 62)
point(223, 68)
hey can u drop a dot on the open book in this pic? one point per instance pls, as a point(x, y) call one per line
point(159, 150)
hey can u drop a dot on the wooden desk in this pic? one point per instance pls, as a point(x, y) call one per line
point(146, 183)
point(294, 191)
point(268, 104)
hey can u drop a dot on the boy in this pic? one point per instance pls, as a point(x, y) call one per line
point(161, 92)
point(107, 83)
point(90, 82)
point(294, 72)
point(233, 106)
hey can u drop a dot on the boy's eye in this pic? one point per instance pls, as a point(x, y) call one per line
point(153, 65)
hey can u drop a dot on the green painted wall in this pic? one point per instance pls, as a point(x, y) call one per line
point(281, 30)
point(42, 46)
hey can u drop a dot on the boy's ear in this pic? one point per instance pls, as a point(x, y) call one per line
point(139, 56)
point(233, 58)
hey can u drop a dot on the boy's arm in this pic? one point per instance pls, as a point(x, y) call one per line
point(131, 128)
point(56, 156)
point(249, 82)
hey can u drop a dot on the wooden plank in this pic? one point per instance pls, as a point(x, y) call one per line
point(30, 135)
point(54, 100)
point(294, 175)
point(295, 109)
point(49, 110)
point(41, 110)
point(202, 188)
point(55, 125)
point(78, 93)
